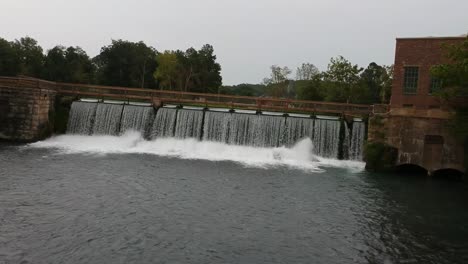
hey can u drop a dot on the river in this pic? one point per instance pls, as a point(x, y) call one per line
point(107, 199)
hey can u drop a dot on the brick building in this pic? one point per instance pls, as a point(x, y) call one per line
point(412, 82)
point(417, 122)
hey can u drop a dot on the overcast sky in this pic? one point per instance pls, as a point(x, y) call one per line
point(248, 35)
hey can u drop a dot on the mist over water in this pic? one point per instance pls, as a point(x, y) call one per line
point(298, 156)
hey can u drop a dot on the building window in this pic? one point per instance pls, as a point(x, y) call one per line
point(436, 85)
point(410, 84)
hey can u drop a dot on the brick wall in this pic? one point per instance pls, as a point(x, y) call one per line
point(424, 53)
point(24, 113)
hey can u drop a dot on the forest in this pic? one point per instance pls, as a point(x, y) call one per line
point(135, 64)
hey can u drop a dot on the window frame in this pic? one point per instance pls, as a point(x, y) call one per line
point(433, 80)
point(416, 88)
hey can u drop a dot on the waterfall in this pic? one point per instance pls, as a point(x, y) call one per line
point(231, 128)
point(189, 124)
point(107, 121)
point(267, 131)
point(138, 118)
point(326, 138)
point(81, 118)
point(164, 123)
point(244, 129)
point(357, 141)
point(298, 128)
point(216, 126)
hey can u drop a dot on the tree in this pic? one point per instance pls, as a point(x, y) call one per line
point(9, 61)
point(341, 80)
point(454, 79)
point(307, 71)
point(168, 70)
point(378, 82)
point(278, 75)
point(31, 58)
point(125, 63)
point(192, 70)
point(70, 64)
point(309, 89)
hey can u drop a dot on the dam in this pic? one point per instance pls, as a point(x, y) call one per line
point(331, 136)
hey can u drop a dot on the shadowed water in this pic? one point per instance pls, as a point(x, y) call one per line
point(109, 199)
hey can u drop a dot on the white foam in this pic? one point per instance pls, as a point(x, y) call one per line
point(300, 156)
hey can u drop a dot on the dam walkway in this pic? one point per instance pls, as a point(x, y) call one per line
point(161, 97)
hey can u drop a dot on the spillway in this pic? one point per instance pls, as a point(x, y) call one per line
point(136, 118)
point(331, 138)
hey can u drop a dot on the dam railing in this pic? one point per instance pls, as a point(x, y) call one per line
point(160, 97)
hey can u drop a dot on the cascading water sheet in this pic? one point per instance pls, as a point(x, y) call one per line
point(267, 131)
point(231, 128)
point(296, 129)
point(357, 141)
point(107, 120)
point(216, 126)
point(137, 118)
point(326, 138)
point(164, 123)
point(81, 118)
point(189, 123)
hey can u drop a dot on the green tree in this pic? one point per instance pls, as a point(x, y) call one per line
point(9, 60)
point(70, 64)
point(278, 75)
point(31, 58)
point(309, 89)
point(377, 81)
point(192, 70)
point(168, 70)
point(454, 78)
point(125, 63)
point(307, 71)
point(341, 81)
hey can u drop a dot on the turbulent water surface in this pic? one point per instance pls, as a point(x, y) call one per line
point(123, 199)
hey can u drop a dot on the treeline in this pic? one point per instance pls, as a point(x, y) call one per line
point(135, 64)
point(341, 82)
point(122, 63)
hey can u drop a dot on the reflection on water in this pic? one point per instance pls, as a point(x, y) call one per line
point(114, 207)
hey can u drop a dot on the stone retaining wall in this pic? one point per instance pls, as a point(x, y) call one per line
point(25, 113)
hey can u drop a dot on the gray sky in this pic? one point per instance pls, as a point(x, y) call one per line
point(248, 35)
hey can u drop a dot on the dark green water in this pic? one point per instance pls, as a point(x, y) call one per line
point(105, 207)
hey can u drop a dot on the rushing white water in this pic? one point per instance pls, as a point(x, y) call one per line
point(244, 129)
point(189, 124)
point(247, 129)
point(296, 129)
point(326, 137)
point(164, 123)
point(299, 156)
point(107, 120)
point(357, 141)
point(81, 118)
point(137, 118)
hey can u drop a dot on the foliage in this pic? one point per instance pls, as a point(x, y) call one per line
point(192, 70)
point(125, 63)
point(30, 56)
point(9, 61)
point(342, 81)
point(307, 71)
point(454, 77)
point(244, 89)
point(309, 89)
point(278, 75)
point(70, 64)
point(377, 79)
